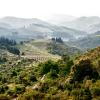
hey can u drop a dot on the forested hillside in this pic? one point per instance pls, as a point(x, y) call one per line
point(43, 61)
point(25, 78)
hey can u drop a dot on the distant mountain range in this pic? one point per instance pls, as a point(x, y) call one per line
point(77, 31)
point(87, 24)
point(24, 29)
point(88, 42)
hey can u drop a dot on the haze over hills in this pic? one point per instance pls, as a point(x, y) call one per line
point(69, 28)
point(34, 28)
point(91, 41)
point(46, 54)
point(87, 24)
point(47, 61)
point(20, 22)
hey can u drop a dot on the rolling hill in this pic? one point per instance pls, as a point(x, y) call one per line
point(87, 24)
point(88, 42)
point(26, 29)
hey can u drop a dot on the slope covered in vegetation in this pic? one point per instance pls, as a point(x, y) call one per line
point(63, 79)
point(57, 46)
point(9, 45)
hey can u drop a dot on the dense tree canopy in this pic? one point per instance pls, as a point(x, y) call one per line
point(9, 45)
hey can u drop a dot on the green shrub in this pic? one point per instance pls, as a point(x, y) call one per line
point(32, 77)
point(52, 74)
point(68, 87)
point(75, 92)
point(95, 91)
point(19, 89)
point(65, 70)
point(31, 95)
point(81, 94)
point(82, 69)
point(14, 73)
point(11, 92)
point(44, 87)
point(47, 66)
point(3, 97)
point(3, 88)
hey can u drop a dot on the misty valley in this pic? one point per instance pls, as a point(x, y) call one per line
point(50, 60)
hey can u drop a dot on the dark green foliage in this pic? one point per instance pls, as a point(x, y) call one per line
point(61, 48)
point(23, 53)
point(13, 50)
point(14, 73)
point(32, 95)
point(9, 45)
point(81, 94)
point(65, 58)
point(95, 91)
point(65, 65)
point(3, 88)
point(19, 89)
point(65, 79)
point(52, 74)
point(67, 68)
point(68, 87)
point(32, 77)
point(5, 41)
point(2, 59)
point(59, 40)
point(47, 66)
point(82, 69)
point(21, 42)
point(4, 79)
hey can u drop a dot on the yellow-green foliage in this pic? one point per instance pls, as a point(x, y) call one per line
point(65, 79)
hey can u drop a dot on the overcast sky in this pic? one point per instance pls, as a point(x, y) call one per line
point(44, 8)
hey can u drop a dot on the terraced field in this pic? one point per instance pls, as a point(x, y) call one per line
point(36, 50)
